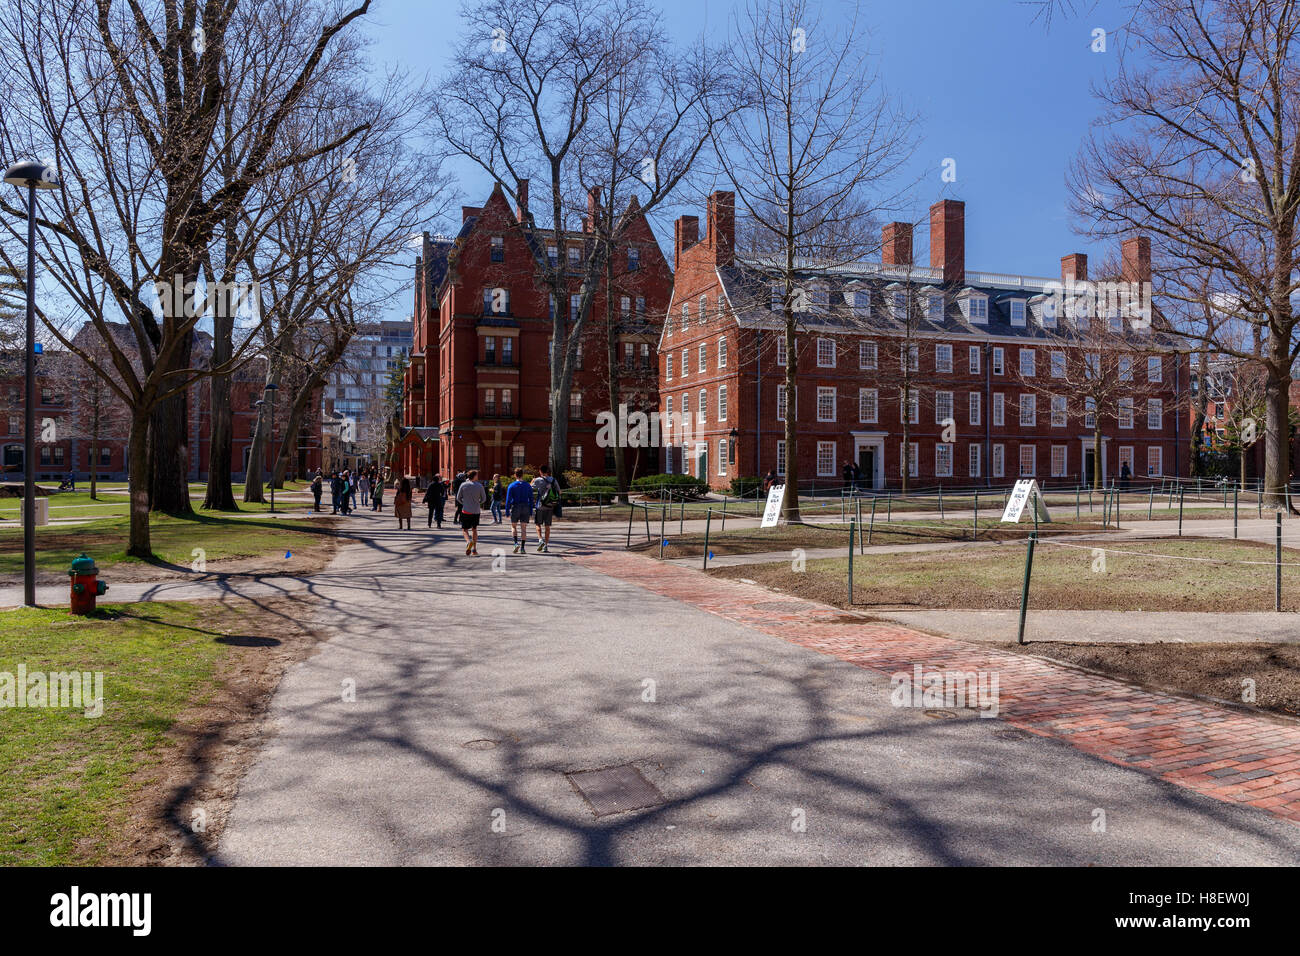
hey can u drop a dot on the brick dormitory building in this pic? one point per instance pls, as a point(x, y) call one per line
point(981, 351)
point(477, 389)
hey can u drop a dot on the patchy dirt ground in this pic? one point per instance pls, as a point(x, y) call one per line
point(186, 796)
point(1208, 670)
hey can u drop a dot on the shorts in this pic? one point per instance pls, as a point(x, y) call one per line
point(468, 521)
point(544, 515)
point(519, 513)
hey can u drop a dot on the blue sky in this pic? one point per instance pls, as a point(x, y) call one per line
point(1004, 96)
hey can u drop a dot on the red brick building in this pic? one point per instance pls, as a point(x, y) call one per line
point(478, 385)
point(974, 335)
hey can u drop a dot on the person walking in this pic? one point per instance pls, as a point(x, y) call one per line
point(336, 491)
point(317, 489)
point(498, 498)
point(435, 496)
point(402, 503)
point(547, 491)
point(470, 499)
point(377, 495)
point(345, 500)
point(456, 482)
point(519, 505)
point(363, 486)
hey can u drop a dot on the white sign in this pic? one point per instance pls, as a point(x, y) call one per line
point(773, 512)
point(1025, 489)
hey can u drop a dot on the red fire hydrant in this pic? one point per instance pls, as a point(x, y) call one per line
point(85, 586)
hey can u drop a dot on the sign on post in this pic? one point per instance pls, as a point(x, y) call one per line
point(772, 514)
point(1025, 490)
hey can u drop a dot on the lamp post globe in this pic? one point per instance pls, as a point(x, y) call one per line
point(30, 175)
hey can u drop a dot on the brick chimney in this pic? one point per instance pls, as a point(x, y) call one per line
point(521, 191)
point(1074, 268)
point(593, 209)
point(721, 234)
point(896, 244)
point(468, 212)
point(1135, 255)
point(948, 240)
point(686, 233)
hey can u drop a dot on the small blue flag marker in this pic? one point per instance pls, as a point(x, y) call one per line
point(288, 554)
point(710, 555)
point(665, 542)
point(40, 349)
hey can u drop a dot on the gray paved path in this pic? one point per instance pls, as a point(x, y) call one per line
point(747, 736)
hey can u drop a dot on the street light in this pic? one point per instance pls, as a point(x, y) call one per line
point(34, 176)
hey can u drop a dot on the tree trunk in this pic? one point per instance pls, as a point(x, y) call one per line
point(1096, 459)
point(220, 495)
point(94, 450)
point(139, 545)
point(615, 383)
point(1277, 472)
point(293, 423)
point(790, 505)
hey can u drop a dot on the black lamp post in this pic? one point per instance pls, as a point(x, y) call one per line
point(34, 176)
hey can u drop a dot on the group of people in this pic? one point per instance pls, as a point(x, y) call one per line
point(536, 501)
point(345, 488)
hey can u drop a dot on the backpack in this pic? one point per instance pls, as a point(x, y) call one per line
point(552, 496)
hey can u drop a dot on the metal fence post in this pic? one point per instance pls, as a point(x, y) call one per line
point(1234, 512)
point(1181, 492)
point(852, 527)
point(1024, 589)
point(1277, 567)
point(630, 512)
point(872, 526)
point(975, 525)
point(708, 520)
point(941, 504)
point(1151, 500)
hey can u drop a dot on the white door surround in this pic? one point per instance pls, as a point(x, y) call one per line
point(876, 442)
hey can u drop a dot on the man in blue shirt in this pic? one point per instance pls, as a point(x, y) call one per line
point(519, 505)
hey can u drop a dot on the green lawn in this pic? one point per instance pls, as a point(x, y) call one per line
point(1063, 578)
point(68, 780)
point(174, 540)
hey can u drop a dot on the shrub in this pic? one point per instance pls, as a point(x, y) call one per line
point(745, 487)
point(573, 479)
point(678, 485)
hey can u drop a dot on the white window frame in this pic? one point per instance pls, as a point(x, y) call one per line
point(782, 403)
point(826, 392)
point(1029, 420)
point(973, 460)
point(943, 359)
point(1059, 415)
point(828, 448)
point(1057, 363)
point(976, 405)
point(1159, 461)
point(1126, 412)
point(1061, 470)
point(999, 410)
point(973, 359)
point(1155, 368)
point(1156, 412)
point(1016, 312)
point(942, 399)
point(722, 352)
point(871, 396)
point(1028, 363)
point(780, 457)
point(1033, 460)
point(999, 360)
point(942, 467)
point(909, 452)
point(702, 407)
point(911, 407)
point(999, 461)
point(780, 349)
point(722, 403)
point(825, 353)
point(868, 355)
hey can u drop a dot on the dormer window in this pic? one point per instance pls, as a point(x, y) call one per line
point(860, 299)
point(1043, 308)
point(898, 304)
point(934, 306)
point(974, 306)
point(778, 294)
point(1016, 307)
point(819, 297)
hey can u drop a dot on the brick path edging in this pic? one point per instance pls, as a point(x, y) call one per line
point(1234, 757)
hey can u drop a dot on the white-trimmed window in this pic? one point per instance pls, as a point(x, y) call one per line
point(1059, 461)
point(934, 306)
point(825, 404)
point(898, 303)
point(575, 306)
point(1126, 413)
point(999, 461)
point(1016, 308)
point(825, 459)
point(867, 355)
point(1155, 369)
point(819, 296)
point(722, 456)
point(868, 406)
point(668, 366)
point(703, 364)
point(780, 349)
point(1089, 413)
point(686, 362)
point(910, 359)
point(1028, 411)
point(722, 353)
point(668, 422)
point(1155, 414)
point(973, 460)
point(911, 408)
point(702, 411)
point(1126, 458)
point(1155, 462)
point(976, 308)
point(999, 409)
point(575, 257)
point(860, 299)
point(575, 404)
point(471, 457)
point(702, 310)
point(943, 460)
point(909, 452)
point(1027, 363)
point(942, 407)
point(686, 316)
point(780, 456)
point(776, 298)
point(517, 456)
point(943, 358)
point(1125, 368)
point(1028, 461)
point(999, 360)
point(1058, 411)
point(976, 406)
point(973, 355)
point(686, 408)
point(722, 403)
point(1058, 365)
point(780, 403)
point(575, 457)
point(825, 353)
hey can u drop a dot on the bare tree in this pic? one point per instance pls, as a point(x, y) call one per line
point(1200, 146)
point(811, 159)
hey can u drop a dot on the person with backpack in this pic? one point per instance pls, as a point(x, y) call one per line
point(547, 491)
point(457, 480)
point(435, 496)
point(519, 505)
point(470, 499)
point(317, 489)
point(377, 495)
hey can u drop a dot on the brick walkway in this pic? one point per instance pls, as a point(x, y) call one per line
point(1232, 756)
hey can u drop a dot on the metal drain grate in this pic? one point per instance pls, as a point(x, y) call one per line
point(616, 790)
point(1012, 734)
